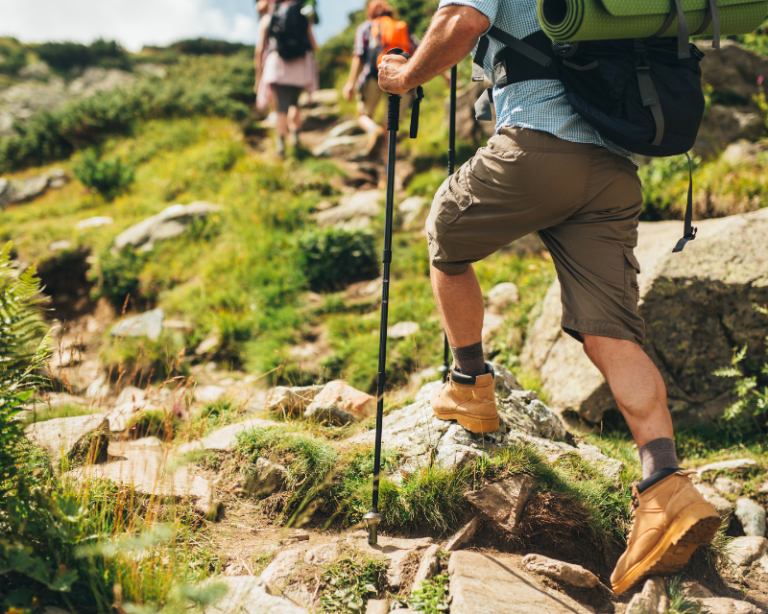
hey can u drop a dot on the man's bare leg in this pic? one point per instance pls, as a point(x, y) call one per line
point(636, 385)
point(460, 302)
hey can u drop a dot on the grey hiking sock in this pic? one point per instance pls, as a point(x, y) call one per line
point(280, 149)
point(470, 359)
point(657, 455)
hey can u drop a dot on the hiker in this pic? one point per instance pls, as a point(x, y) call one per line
point(285, 66)
point(374, 37)
point(547, 170)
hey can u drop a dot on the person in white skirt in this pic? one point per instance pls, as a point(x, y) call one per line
point(283, 80)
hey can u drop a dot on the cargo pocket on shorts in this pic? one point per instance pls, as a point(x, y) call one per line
point(454, 197)
point(631, 287)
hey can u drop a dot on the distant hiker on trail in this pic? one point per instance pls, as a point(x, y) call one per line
point(547, 170)
point(374, 37)
point(285, 66)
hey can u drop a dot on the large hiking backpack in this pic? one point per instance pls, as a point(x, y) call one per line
point(386, 34)
point(288, 29)
point(645, 95)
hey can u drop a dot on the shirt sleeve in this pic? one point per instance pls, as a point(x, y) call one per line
point(361, 39)
point(489, 8)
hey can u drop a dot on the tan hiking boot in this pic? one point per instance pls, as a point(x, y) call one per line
point(468, 399)
point(671, 519)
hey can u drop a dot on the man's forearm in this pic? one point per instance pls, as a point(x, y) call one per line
point(451, 37)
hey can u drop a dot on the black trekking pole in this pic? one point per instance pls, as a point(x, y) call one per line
point(451, 162)
point(373, 518)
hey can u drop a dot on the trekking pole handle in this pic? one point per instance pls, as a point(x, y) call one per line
point(393, 115)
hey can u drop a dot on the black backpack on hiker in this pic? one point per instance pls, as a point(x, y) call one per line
point(289, 30)
point(644, 95)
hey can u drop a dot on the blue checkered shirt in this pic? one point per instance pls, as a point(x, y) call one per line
point(538, 104)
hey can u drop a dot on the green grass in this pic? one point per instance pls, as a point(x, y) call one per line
point(43, 412)
point(678, 602)
point(349, 582)
point(432, 596)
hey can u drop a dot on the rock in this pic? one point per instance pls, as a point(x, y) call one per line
point(414, 211)
point(401, 330)
point(418, 434)
point(58, 246)
point(505, 382)
point(694, 590)
point(723, 125)
point(377, 606)
point(269, 478)
point(343, 396)
point(149, 324)
point(504, 502)
point(502, 296)
point(295, 536)
point(399, 552)
point(250, 595)
point(567, 573)
point(428, 566)
point(727, 486)
point(745, 550)
point(330, 145)
point(763, 488)
point(351, 126)
point(752, 517)
point(743, 152)
point(70, 438)
point(463, 536)
point(130, 401)
point(356, 210)
point(208, 345)
point(720, 503)
point(721, 605)
point(36, 70)
point(699, 300)
point(491, 325)
point(328, 414)
point(736, 465)
point(323, 554)
point(168, 224)
point(17, 191)
point(95, 222)
point(319, 98)
point(481, 584)
point(209, 394)
point(651, 600)
point(143, 465)
point(733, 69)
point(225, 439)
point(291, 402)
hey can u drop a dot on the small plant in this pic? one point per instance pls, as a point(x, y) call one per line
point(349, 582)
point(432, 596)
point(110, 178)
point(678, 602)
point(333, 258)
point(117, 275)
point(749, 414)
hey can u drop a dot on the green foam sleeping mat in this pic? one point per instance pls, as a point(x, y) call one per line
point(581, 20)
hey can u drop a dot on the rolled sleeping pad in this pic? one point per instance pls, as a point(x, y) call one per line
point(581, 20)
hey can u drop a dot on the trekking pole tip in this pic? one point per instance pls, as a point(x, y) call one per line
point(372, 519)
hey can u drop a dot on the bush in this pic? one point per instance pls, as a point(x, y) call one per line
point(66, 56)
point(207, 46)
point(109, 178)
point(117, 276)
point(13, 57)
point(333, 258)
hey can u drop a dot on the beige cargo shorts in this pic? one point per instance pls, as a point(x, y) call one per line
point(584, 202)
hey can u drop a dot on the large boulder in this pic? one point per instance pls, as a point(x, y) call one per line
point(85, 437)
point(17, 191)
point(419, 436)
point(697, 305)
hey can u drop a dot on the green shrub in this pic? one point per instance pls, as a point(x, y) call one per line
point(349, 582)
point(207, 46)
point(334, 258)
point(109, 178)
point(13, 58)
point(661, 177)
point(154, 423)
point(117, 276)
point(67, 55)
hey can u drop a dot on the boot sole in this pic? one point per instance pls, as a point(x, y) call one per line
point(478, 426)
point(691, 529)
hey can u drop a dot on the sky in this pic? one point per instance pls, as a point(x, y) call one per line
point(135, 23)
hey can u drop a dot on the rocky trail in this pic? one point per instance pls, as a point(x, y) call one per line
point(517, 538)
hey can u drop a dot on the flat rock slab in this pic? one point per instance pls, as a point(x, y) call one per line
point(64, 437)
point(568, 573)
point(739, 464)
point(482, 584)
point(225, 439)
point(250, 595)
point(720, 605)
point(143, 465)
point(745, 550)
